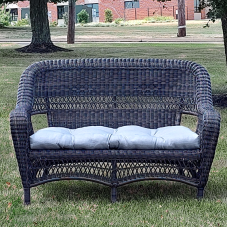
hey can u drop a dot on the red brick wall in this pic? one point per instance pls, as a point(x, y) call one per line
point(203, 14)
point(189, 11)
point(24, 4)
point(147, 8)
point(51, 8)
point(129, 14)
point(117, 7)
point(80, 2)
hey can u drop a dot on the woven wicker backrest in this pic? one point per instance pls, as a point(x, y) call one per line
point(113, 92)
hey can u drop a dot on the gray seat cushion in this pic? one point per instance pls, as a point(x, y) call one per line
point(172, 137)
point(126, 137)
point(92, 137)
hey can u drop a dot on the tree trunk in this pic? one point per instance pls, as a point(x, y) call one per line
point(224, 28)
point(39, 22)
point(71, 22)
point(181, 19)
point(41, 41)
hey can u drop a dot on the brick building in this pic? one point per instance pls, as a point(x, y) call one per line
point(21, 10)
point(126, 9)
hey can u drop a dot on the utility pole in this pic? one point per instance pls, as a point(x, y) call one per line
point(71, 22)
point(181, 19)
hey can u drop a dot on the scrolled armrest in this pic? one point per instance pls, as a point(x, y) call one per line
point(21, 126)
point(208, 125)
point(20, 113)
point(208, 129)
point(21, 129)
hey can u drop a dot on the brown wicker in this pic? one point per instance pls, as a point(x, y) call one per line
point(114, 92)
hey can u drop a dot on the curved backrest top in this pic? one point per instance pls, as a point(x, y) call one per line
point(116, 85)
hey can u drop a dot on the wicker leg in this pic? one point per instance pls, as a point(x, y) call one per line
point(181, 171)
point(27, 196)
point(113, 194)
point(114, 181)
point(45, 173)
point(193, 173)
point(200, 193)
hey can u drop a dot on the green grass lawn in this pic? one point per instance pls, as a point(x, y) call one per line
point(80, 203)
point(145, 32)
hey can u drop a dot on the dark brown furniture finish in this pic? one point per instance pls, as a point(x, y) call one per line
point(114, 92)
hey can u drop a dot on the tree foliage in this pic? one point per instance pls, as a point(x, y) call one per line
point(217, 8)
point(4, 17)
point(83, 16)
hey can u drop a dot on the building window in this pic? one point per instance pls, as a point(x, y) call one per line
point(25, 13)
point(196, 6)
point(13, 14)
point(132, 4)
point(95, 9)
point(61, 11)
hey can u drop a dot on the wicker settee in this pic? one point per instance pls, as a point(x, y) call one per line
point(150, 93)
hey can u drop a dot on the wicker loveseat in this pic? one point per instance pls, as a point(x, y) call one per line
point(149, 93)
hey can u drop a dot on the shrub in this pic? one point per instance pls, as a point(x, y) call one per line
point(158, 18)
point(118, 20)
point(83, 16)
point(4, 17)
point(23, 22)
point(53, 24)
point(66, 19)
point(108, 16)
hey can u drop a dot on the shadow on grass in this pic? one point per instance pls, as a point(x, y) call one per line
point(220, 100)
point(147, 190)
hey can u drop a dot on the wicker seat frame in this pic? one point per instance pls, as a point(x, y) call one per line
point(150, 93)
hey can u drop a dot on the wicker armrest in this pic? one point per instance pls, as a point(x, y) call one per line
point(21, 126)
point(21, 129)
point(208, 128)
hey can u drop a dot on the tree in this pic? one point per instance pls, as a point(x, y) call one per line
point(41, 40)
point(71, 22)
point(217, 9)
point(181, 17)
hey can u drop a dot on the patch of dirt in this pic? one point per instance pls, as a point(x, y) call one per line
point(97, 36)
point(7, 45)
